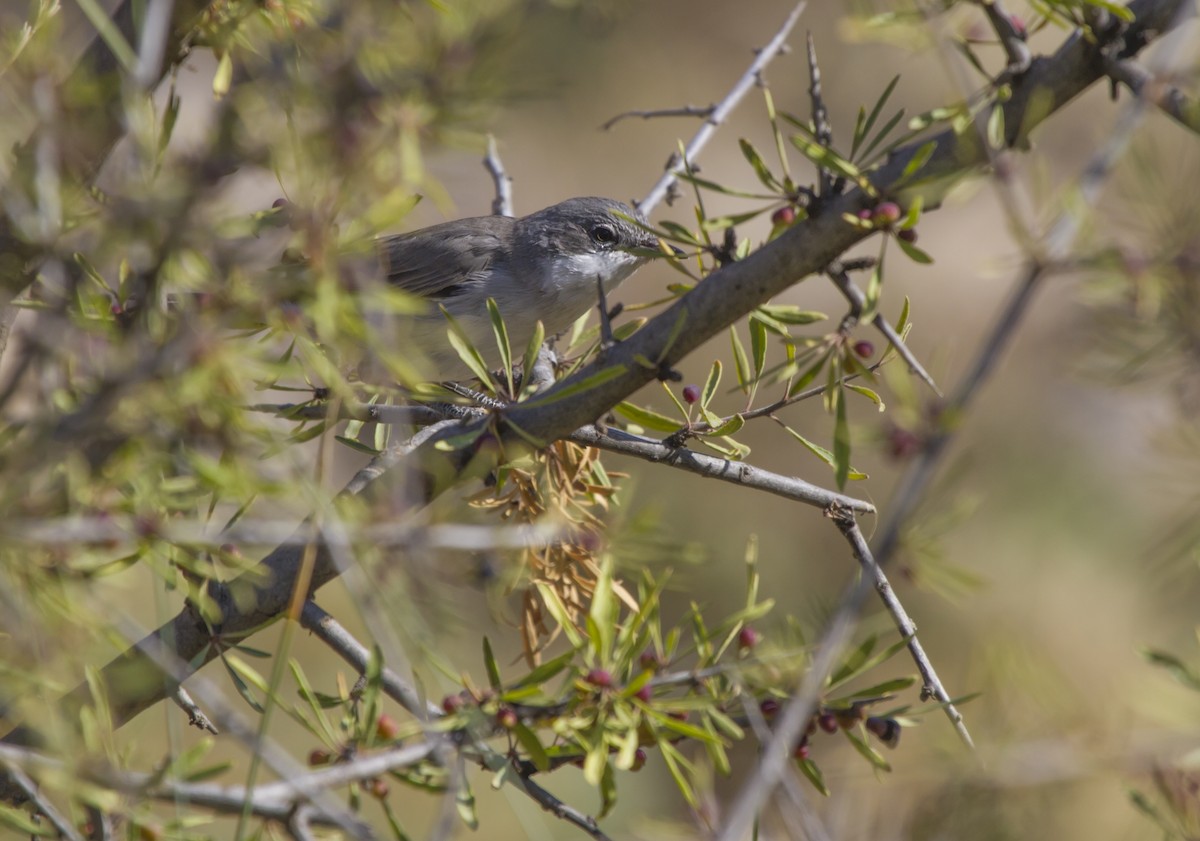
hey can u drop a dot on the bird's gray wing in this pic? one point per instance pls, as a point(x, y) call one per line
point(438, 262)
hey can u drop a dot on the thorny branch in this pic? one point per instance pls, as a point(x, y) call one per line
point(722, 111)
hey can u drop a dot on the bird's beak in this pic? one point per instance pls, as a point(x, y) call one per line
point(656, 245)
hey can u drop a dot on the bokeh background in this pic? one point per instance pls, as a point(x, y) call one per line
point(1053, 547)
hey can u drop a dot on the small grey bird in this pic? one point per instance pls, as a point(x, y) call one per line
point(543, 266)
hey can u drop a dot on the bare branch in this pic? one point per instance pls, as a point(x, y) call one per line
point(1011, 38)
point(794, 716)
point(705, 111)
point(47, 809)
point(1172, 101)
point(502, 204)
point(820, 116)
point(343, 643)
point(841, 279)
point(719, 114)
point(196, 716)
point(558, 808)
point(738, 473)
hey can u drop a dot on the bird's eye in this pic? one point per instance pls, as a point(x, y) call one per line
point(604, 234)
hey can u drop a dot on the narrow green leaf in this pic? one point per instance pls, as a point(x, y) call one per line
point(1174, 665)
point(559, 611)
point(677, 765)
point(867, 393)
point(711, 384)
point(791, 314)
point(502, 344)
point(882, 135)
point(489, 663)
point(223, 76)
point(545, 671)
point(730, 426)
point(464, 802)
point(466, 351)
point(873, 756)
point(841, 445)
point(809, 769)
point(885, 688)
point(995, 127)
point(356, 445)
point(760, 168)
point(758, 346)
point(913, 253)
point(532, 350)
point(741, 362)
point(826, 158)
point(604, 610)
point(854, 661)
point(918, 160)
point(647, 418)
point(586, 384)
point(720, 223)
point(528, 740)
point(705, 184)
point(876, 110)
point(914, 213)
point(874, 287)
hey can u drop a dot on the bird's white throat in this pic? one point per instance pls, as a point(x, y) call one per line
point(570, 272)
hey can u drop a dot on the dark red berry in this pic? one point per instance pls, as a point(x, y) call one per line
point(902, 443)
point(644, 694)
point(386, 728)
point(599, 677)
point(768, 707)
point(886, 213)
point(319, 756)
point(691, 393)
point(886, 730)
point(864, 349)
point(827, 722)
point(907, 234)
point(801, 751)
point(865, 214)
point(748, 638)
point(279, 203)
point(650, 661)
point(785, 215)
point(639, 760)
point(378, 788)
point(506, 718)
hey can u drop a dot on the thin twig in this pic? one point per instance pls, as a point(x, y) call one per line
point(719, 114)
point(820, 116)
point(908, 630)
point(1011, 39)
point(736, 472)
point(705, 111)
point(44, 807)
point(794, 717)
point(558, 808)
point(650, 449)
point(1168, 98)
point(858, 300)
point(196, 716)
point(343, 643)
point(502, 204)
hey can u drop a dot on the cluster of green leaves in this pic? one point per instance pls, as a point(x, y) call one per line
point(826, 358)
point(625, 686)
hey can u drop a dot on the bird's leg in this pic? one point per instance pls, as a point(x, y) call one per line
point(606, 316)
point(477, 397)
